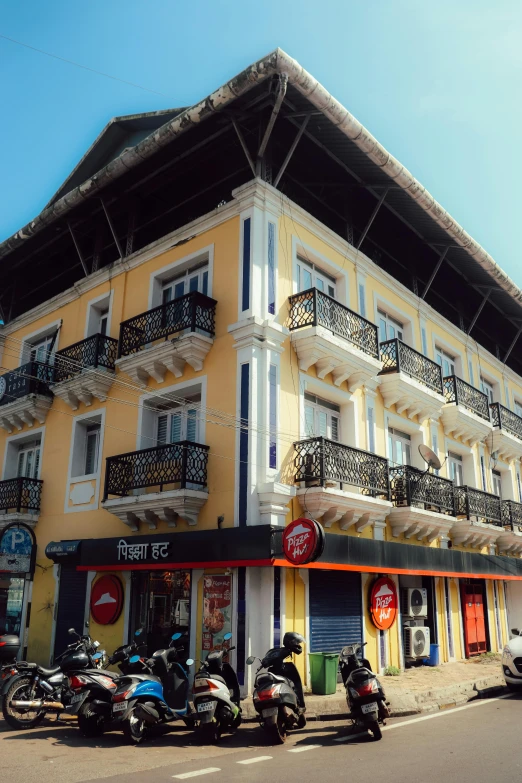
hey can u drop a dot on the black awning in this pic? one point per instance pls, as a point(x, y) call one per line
point(198, 548)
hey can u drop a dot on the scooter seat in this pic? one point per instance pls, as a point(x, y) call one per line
point(49, 672)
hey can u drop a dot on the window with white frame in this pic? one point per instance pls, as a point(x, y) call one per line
point(180, 423)
point(86, 446)
point(311, 276)
point(399, 447)
point(98, 316)
point(445, 360)
point(496, 481)
point(28, 459)
point(40, 350)
point(487, 388)
point(456, 468)
point(193, 279)
point(517, 407)
point(389, 328)
point(322, 418)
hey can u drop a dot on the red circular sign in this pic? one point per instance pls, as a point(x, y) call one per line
point(384, 603)
point(303, 541)
point(106, 600)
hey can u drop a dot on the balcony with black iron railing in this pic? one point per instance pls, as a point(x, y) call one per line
point(167, 336)
point(25, 395)
point(507, 432)
point(20, 499)
point(465, 414)
point(510, 541)
point(410, 381)
point(172, 479)
point(329, 335)
point(341, 483)
point(512, 515)
point(424, 503)
point(477, 505)
point(85, 370)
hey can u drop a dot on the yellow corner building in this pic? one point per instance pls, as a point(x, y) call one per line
point(230, 317)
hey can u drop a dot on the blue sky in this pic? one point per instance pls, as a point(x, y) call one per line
point(437, 83)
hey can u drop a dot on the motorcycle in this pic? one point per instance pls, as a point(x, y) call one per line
point(217, 696)
point(143, 701)
point(94, 690)
point(9, 649)
point(278, 690)
point(364, 693)
point(36, 690)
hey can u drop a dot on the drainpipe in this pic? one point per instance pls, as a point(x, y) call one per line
point(281, 92)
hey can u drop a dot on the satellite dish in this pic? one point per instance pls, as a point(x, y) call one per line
point(430, 457)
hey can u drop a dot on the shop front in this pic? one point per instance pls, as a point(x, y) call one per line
point(17, 553)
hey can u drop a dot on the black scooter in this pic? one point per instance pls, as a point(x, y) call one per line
point(364, 693)
point(278, 690)
point(217, 696)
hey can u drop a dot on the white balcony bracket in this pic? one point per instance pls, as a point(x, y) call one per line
point(410, 396)
point(171, 356)
point(329, 505)
point(459, 422)
point(26, 410)
point(89, 384)
point(412, 521)
point(156, 507)
point(273, 503)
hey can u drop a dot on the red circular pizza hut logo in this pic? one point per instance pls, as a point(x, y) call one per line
point(303, 540)
point(106, 600)
point(384, 603)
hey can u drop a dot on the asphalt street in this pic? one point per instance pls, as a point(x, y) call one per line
point(472, 744)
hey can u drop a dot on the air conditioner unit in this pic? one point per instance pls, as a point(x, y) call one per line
point(415, 602)
point(416, 641)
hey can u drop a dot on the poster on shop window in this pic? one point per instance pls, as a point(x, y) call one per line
point(217, 612)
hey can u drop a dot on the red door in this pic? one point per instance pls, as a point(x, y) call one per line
point(472, 596)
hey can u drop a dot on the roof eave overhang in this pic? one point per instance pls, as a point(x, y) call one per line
point(277, 62)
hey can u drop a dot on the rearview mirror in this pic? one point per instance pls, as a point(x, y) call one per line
point(134, 659)
point(175, 637)
point(72, 632)
point(250, 660)
point(515, 632)
point(189, 661)
point(227, 636)
point(138, 632)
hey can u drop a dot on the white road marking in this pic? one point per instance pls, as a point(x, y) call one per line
point(439, 714)
point(255, 760)
point(206, 771)
point(351, 737)
point(303, 748)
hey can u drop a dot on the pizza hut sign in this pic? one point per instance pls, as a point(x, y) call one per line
point(303, 541)
point(384, 603)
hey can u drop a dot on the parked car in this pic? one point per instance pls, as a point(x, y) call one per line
point(512, 661)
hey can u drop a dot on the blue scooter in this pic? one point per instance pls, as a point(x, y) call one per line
point(143, 701)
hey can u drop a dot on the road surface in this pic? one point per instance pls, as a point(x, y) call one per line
point(477, 743)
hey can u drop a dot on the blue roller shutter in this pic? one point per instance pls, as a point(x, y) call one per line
point(335, 610)
point(71, 605)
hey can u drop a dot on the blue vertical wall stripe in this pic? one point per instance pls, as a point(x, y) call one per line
point(245, 299)
point(271, 268)
point(243, 443)
point(272, 401)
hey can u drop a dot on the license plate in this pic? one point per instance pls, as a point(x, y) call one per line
point(205, 706)
point(76, 698)
point(269, 712)
point(121, 707)
point(366, 708)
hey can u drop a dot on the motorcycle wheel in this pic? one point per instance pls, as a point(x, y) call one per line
point(209, 733)
point(277, 731)
point(301, 721)
point(375, 730)
point(90, 724)
point(134, 729)
point(20, 720)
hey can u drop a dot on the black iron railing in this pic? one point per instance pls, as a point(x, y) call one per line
point(396, 356)
point(183, 464)
point(96, 351)
point(512, 514)
point(322, 460)
point(473, 503)
point(31, 378)
point(315, 308)
point(506, 420)
point(193, 311)
point(461, 393)
point(20, 494)
point(413, 487)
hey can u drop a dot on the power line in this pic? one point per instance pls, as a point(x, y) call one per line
point(78, 65)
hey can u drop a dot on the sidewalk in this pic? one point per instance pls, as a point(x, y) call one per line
point(422, 689)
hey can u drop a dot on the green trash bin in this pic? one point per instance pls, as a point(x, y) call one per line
point(323, 672)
